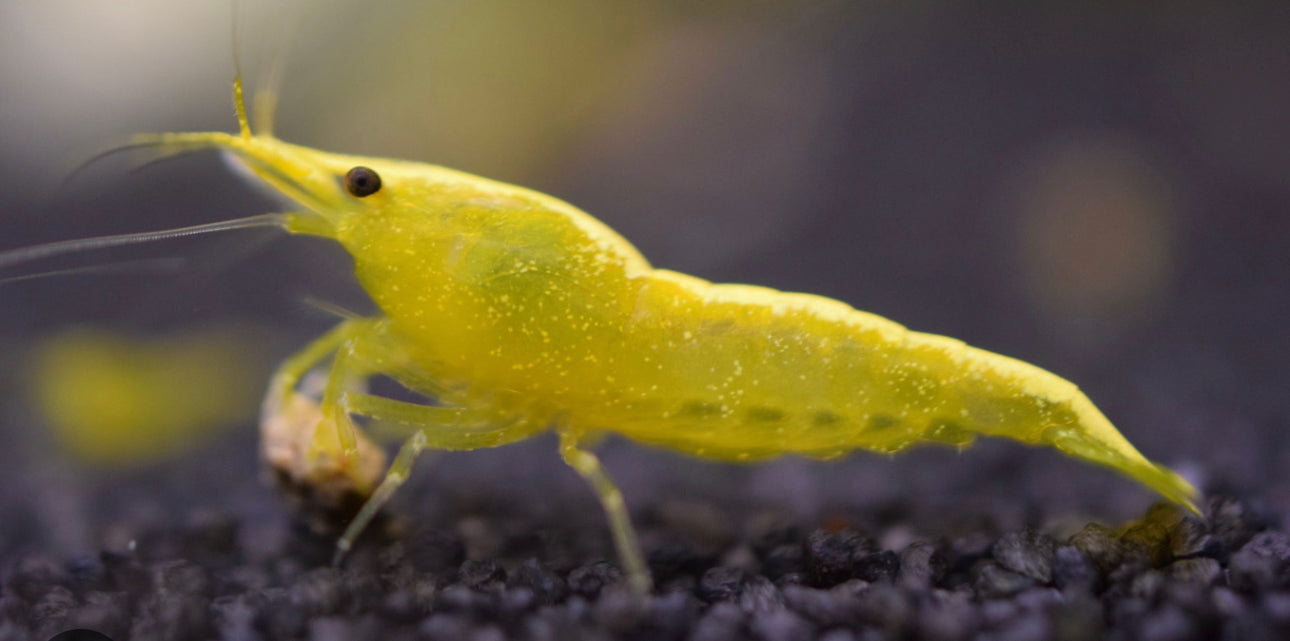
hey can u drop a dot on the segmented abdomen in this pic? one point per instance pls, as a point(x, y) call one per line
point(738, 373)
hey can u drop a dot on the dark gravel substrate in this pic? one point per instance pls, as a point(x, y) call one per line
point(1166, 576)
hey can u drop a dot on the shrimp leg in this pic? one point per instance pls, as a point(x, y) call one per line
point(620, 524)
point(292, 370)
point(439, 428)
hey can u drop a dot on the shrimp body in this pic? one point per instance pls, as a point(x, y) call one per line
point(528, 303)
point(518, 313)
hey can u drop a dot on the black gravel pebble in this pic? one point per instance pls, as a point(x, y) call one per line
point(829, 555)
point(1028, 553)
point(921, 566)
point(1072, 570)
point(1261, 563)
point(546, 586)
point(588, 580)
point(993, 581)
point(721, 584)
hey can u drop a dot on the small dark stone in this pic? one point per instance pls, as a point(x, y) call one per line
point(588, 580)
point(921, 567)
point(1234, 522)
point(547, 586)
point(1260, 563)
point(1072, 570)
point(1100, 545)
point(881, 566)
point(993, 581)
point(1147, 541)
point(830, 555)
point(760, 595)
point(721, 583)
point(1027, 553)
point(1196, 570)
point(1272, 544)
point(484, 575)
point(1192, 537)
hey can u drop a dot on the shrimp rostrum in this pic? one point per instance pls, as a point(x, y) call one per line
point(518, 313)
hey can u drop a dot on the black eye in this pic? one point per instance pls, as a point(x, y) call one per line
point(362, 182)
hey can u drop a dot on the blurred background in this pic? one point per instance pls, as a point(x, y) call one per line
point(1102, 189)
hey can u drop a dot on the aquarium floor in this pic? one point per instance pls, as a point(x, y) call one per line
point(490, 570)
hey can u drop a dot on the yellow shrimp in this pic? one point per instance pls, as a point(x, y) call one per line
point(518, 313)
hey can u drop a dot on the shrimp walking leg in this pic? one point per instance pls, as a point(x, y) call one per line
point(436, 428)
point(394, 478)
point(292, 370)
point(629, 550)
point(330, 443)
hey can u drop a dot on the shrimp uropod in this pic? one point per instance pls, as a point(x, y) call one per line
point(519, 313)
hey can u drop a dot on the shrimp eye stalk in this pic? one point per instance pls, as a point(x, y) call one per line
point(362, 182)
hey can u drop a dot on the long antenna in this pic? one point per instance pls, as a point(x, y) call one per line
point(145, 265)
point(37, 252)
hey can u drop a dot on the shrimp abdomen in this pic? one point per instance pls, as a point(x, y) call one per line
point(733, 372)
